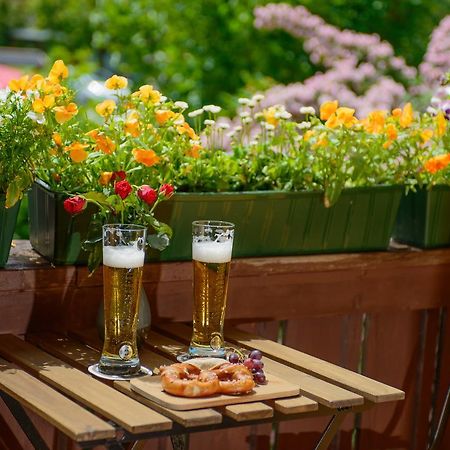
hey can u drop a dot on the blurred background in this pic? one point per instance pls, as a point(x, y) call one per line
point(215, 51)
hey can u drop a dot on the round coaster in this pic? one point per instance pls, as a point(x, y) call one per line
point(94, 371)
point(183, 357)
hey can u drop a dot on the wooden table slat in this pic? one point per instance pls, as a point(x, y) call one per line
point(68, 417)
point(248, 411)
point(148, 358)
point(295, 405)
point(371, 389)
point(101, 398)
point(321, 391)
point(203, 417)
point(78, 354)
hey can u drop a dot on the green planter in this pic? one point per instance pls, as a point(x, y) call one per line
point(268, 223)
point(53, 232)
point(424, 218)
point(8, 217)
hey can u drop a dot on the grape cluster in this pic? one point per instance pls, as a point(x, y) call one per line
point(253, 362)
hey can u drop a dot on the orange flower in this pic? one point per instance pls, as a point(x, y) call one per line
point(327, 109)
point(35, 81)
point(437, 163)
point(41, 104)
point(426, 135)
point(58, 72)
point(308, 135)
point(269, 115)
point(77, 151)
point(20, 84)
point(65, 113)
point(105, 178)
point(147, 94)
point(116, 82)
point(162, 116)
point(342, 116)
point(57, 139)
point(147, 157)
point(193, 152)
point(441, 124)
point(397, 112)
point(102, 142)
point(391, 132)
point(407, 115)
point(374, 122)
point(105, 108)
point(186, 129)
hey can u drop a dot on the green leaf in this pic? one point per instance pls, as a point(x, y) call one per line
point(98, 197)
point(158, 241)
point(13, 194)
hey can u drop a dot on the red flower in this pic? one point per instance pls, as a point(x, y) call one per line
point(74, 205)
point(118, 175)
point(123, 189)
point(166, 190)
point(147, 194)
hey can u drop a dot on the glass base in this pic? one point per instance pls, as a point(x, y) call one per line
point(119, 367)
point(94, 371)
point(197, 351)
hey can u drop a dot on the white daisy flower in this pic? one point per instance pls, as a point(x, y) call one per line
point(195, 113)
point(257, 98)
point(212, 109)
point(181, 105)
point(308, 110)
point(224, 126)
point(243, 101)
point(209, 122)
point(304, 125)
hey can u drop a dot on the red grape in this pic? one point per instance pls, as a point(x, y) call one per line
point(255, 354)
point(233, 358)
point(248, 363)
point(258, 364)
point(260, 377)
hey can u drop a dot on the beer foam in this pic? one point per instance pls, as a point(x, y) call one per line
point(123, 257)
point(212, 252)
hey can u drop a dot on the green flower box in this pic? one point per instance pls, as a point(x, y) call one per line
point(424, 218)
point(268, 223)
point(8, 217)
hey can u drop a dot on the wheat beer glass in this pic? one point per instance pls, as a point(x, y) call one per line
point(212, 243)
point(123, 261)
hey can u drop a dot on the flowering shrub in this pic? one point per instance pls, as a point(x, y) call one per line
point(362, 70)
point(31, 109)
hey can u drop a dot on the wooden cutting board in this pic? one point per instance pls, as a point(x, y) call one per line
point(150, 387)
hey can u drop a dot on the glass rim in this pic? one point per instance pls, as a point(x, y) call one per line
point(124, 226)
point(212, 223)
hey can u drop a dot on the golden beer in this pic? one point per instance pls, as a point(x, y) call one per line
point(211, 255)
point(121, 301)
point(123, 260)
point(210, 297)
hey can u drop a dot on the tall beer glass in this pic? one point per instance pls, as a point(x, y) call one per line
point(123, 261)
point(212, 244)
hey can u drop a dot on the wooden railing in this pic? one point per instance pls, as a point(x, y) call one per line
point(383, 314)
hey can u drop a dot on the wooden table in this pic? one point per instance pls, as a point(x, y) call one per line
point(47, 374)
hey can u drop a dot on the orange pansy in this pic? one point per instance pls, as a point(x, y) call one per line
point(437, 163)
point(77, 151)
point(105, 108)
point(374, 122)
point(327, 109)
point(65, 113)
point(116, 82)
point(105, 178)
point(185, 128)
point(441, 124)
point(58, 72)
point(147, 157)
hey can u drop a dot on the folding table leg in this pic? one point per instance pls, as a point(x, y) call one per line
point(330, 431)
point(180, 441)
point(24, 421)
